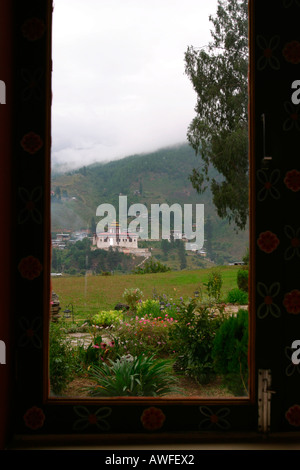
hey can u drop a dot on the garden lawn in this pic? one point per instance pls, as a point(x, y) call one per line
point(89, 294)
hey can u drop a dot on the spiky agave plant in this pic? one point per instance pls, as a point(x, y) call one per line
point(133, 376)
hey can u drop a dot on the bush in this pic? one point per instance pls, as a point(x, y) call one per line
point(131, 297)
point(230, 352)
point(242, 279)
point(169, 307)
point(151, 266)
point(107, 318)
point(214, 284)
point(133, 376)
point(148, 307)
point(61, 362)
point(237, 296)
point(193, 336)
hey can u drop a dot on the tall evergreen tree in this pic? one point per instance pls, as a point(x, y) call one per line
point(219, 131)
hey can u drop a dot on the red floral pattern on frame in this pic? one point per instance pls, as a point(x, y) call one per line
point(268, 241)
point(31, 142)
point(34, 418)
point(291, 302)
point(33, 29)
point(292, 180)
point(291, 52)
point(293, 415)
point(153, 418)
point(30, 267)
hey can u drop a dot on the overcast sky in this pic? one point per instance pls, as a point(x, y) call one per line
point(119, 86)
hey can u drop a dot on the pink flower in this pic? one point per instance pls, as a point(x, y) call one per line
point(103, 345)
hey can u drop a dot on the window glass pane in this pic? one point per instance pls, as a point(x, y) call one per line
point(149, 278)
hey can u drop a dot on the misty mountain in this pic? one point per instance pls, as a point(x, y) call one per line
point(154, 178)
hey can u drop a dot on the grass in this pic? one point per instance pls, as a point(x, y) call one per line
point(90, 294)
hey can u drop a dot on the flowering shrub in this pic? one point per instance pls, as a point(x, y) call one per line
point(171, 309)
point(148, 334)
point(168, 305)
point(100, 349)
point(132, 296)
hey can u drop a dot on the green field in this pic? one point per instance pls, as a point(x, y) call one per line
point(90, 294)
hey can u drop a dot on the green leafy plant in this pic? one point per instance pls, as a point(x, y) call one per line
point(151, 266)
point(86, 355)
point(230, 352)
point(148, 307)
point(192, 338)
point(132, 296)
point(214, 284)
point(133, 376)
point(61, 362)
point(237, 296)
point(107, 318)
